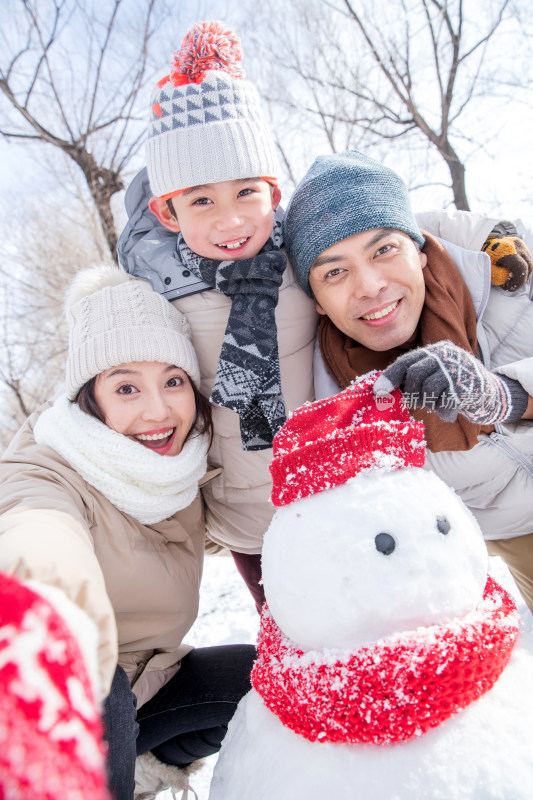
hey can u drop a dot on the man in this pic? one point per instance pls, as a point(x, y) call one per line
point(424, 312)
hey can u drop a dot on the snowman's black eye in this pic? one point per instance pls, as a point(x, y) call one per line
point(385, 543)
point(443, 525)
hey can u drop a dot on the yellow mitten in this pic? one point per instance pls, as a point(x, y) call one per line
point(511, 262)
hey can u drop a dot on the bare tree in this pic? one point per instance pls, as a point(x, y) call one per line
point(376, 71)
point(70, 74)
point(442, 31)
point(293, 67)
point(37, 261)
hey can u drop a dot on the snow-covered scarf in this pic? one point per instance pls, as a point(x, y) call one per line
point(143, 484)
point(399, 687)
point(248, 377)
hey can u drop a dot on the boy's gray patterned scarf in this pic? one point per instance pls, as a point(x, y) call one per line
point(248, 378)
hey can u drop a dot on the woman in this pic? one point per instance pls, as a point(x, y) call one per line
point(99, 497)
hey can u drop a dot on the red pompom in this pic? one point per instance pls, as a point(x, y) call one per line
point(206, 46)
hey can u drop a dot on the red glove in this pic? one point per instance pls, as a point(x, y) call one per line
point(50, 734)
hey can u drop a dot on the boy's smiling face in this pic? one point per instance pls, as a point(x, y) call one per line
point(226, 221)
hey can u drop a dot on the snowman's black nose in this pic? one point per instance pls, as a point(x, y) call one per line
point(443, 525)
point(385, 543)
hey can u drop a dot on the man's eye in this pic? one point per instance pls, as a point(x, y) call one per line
point(245, 192)
point(201, 201)
point(384, 249)
point(332, 273)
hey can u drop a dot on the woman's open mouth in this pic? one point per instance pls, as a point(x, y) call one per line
point(157, 440)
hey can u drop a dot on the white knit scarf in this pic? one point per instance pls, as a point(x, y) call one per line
point(137, 481)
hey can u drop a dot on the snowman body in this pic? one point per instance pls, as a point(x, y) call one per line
point(380, 558)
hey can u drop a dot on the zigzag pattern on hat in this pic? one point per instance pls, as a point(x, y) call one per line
point(217, 102)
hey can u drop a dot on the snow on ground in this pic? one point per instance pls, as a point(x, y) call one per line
point(228, 616)
point(227, 610)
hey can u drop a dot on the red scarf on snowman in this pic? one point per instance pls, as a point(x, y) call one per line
point(392, 690)
point(402, 685)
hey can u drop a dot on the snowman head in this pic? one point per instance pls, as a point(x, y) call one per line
point(365, 543)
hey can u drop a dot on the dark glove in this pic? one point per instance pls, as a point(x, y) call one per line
point(511, 262)
point(444, 378)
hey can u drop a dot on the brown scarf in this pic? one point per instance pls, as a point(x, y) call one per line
point(448, 313)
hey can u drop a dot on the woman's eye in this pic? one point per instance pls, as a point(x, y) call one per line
point(245, 192)
point(175, 381)
point(201, 201)
point(127, 389)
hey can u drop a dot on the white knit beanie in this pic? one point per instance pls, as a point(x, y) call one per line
point(116, 319)
point(206, 123)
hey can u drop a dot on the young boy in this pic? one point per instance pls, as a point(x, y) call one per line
point(213, 172)
point(205, 216)
point(395, 299)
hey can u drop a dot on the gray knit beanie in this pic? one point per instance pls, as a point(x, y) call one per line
point(341, 195)
point(116, 319)
point(206, 123)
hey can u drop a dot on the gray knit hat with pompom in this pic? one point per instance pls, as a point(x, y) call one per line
point(342, 195)
point(116, 319)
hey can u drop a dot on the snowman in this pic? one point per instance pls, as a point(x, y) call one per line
point(390, 666)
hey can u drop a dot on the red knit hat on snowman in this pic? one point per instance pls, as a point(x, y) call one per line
point(323, 444)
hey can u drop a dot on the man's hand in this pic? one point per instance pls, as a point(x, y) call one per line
point(445, 378)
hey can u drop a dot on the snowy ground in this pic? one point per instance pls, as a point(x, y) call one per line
point(228, 616)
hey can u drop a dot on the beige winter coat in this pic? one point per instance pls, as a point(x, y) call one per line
point(138, 583)
point(238, 503)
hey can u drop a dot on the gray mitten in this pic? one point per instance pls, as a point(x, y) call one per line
point(445, 378)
